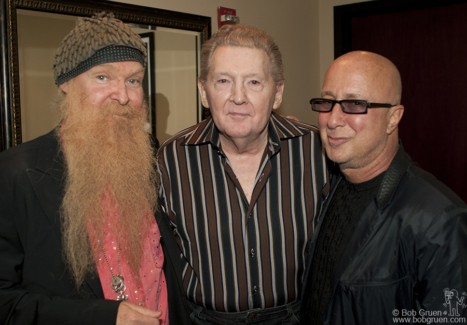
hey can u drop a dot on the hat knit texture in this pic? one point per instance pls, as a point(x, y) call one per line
point(90, 35)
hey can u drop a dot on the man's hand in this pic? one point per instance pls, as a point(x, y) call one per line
point(132, 314)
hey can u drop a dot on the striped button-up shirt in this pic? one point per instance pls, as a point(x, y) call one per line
point(239, 255)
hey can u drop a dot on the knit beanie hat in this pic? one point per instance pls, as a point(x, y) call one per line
point(93, 41)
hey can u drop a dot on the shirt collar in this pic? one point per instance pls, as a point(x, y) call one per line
point(279, 127)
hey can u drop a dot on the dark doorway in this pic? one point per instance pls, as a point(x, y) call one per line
point(427, 40)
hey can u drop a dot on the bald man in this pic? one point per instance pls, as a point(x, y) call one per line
point(391, 239)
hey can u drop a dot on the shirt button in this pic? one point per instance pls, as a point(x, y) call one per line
point(252, 253)
point(255, 290)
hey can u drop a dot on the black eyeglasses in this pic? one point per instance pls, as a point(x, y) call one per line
point(349, 106)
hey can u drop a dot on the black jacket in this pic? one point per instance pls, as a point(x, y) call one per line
point(408, 248)
point(35, 286)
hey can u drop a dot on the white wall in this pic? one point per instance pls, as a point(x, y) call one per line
point(326, 32)
point(303, 29)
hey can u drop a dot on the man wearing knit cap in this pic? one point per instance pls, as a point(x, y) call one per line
point(79, 243)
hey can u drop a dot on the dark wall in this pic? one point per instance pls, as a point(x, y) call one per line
point(428, 43)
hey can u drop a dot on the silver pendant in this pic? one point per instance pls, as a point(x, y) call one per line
point(119, 287)
point(117, 283)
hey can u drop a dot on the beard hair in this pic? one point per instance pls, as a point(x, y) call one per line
point(107, 151)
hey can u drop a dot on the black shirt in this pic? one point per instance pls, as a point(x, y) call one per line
point(349, 202)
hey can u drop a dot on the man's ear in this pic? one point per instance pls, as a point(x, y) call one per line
point(64, 87)
point(395, 116)
point(278, 95)
point(202, 92)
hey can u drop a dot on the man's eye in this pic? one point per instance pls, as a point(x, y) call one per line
point(255, 84)
point(222, 83)
point(102, 77)
point(135, 82)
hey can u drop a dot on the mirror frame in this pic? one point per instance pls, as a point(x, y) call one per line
point(10, 106)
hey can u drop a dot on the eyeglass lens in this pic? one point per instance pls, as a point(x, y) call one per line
point(348, 106)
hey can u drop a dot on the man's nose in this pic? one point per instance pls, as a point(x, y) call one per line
point(120, 93)
point(238, 94)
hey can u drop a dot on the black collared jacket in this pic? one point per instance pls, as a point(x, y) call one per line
point(35, 285)
point(407, 256)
